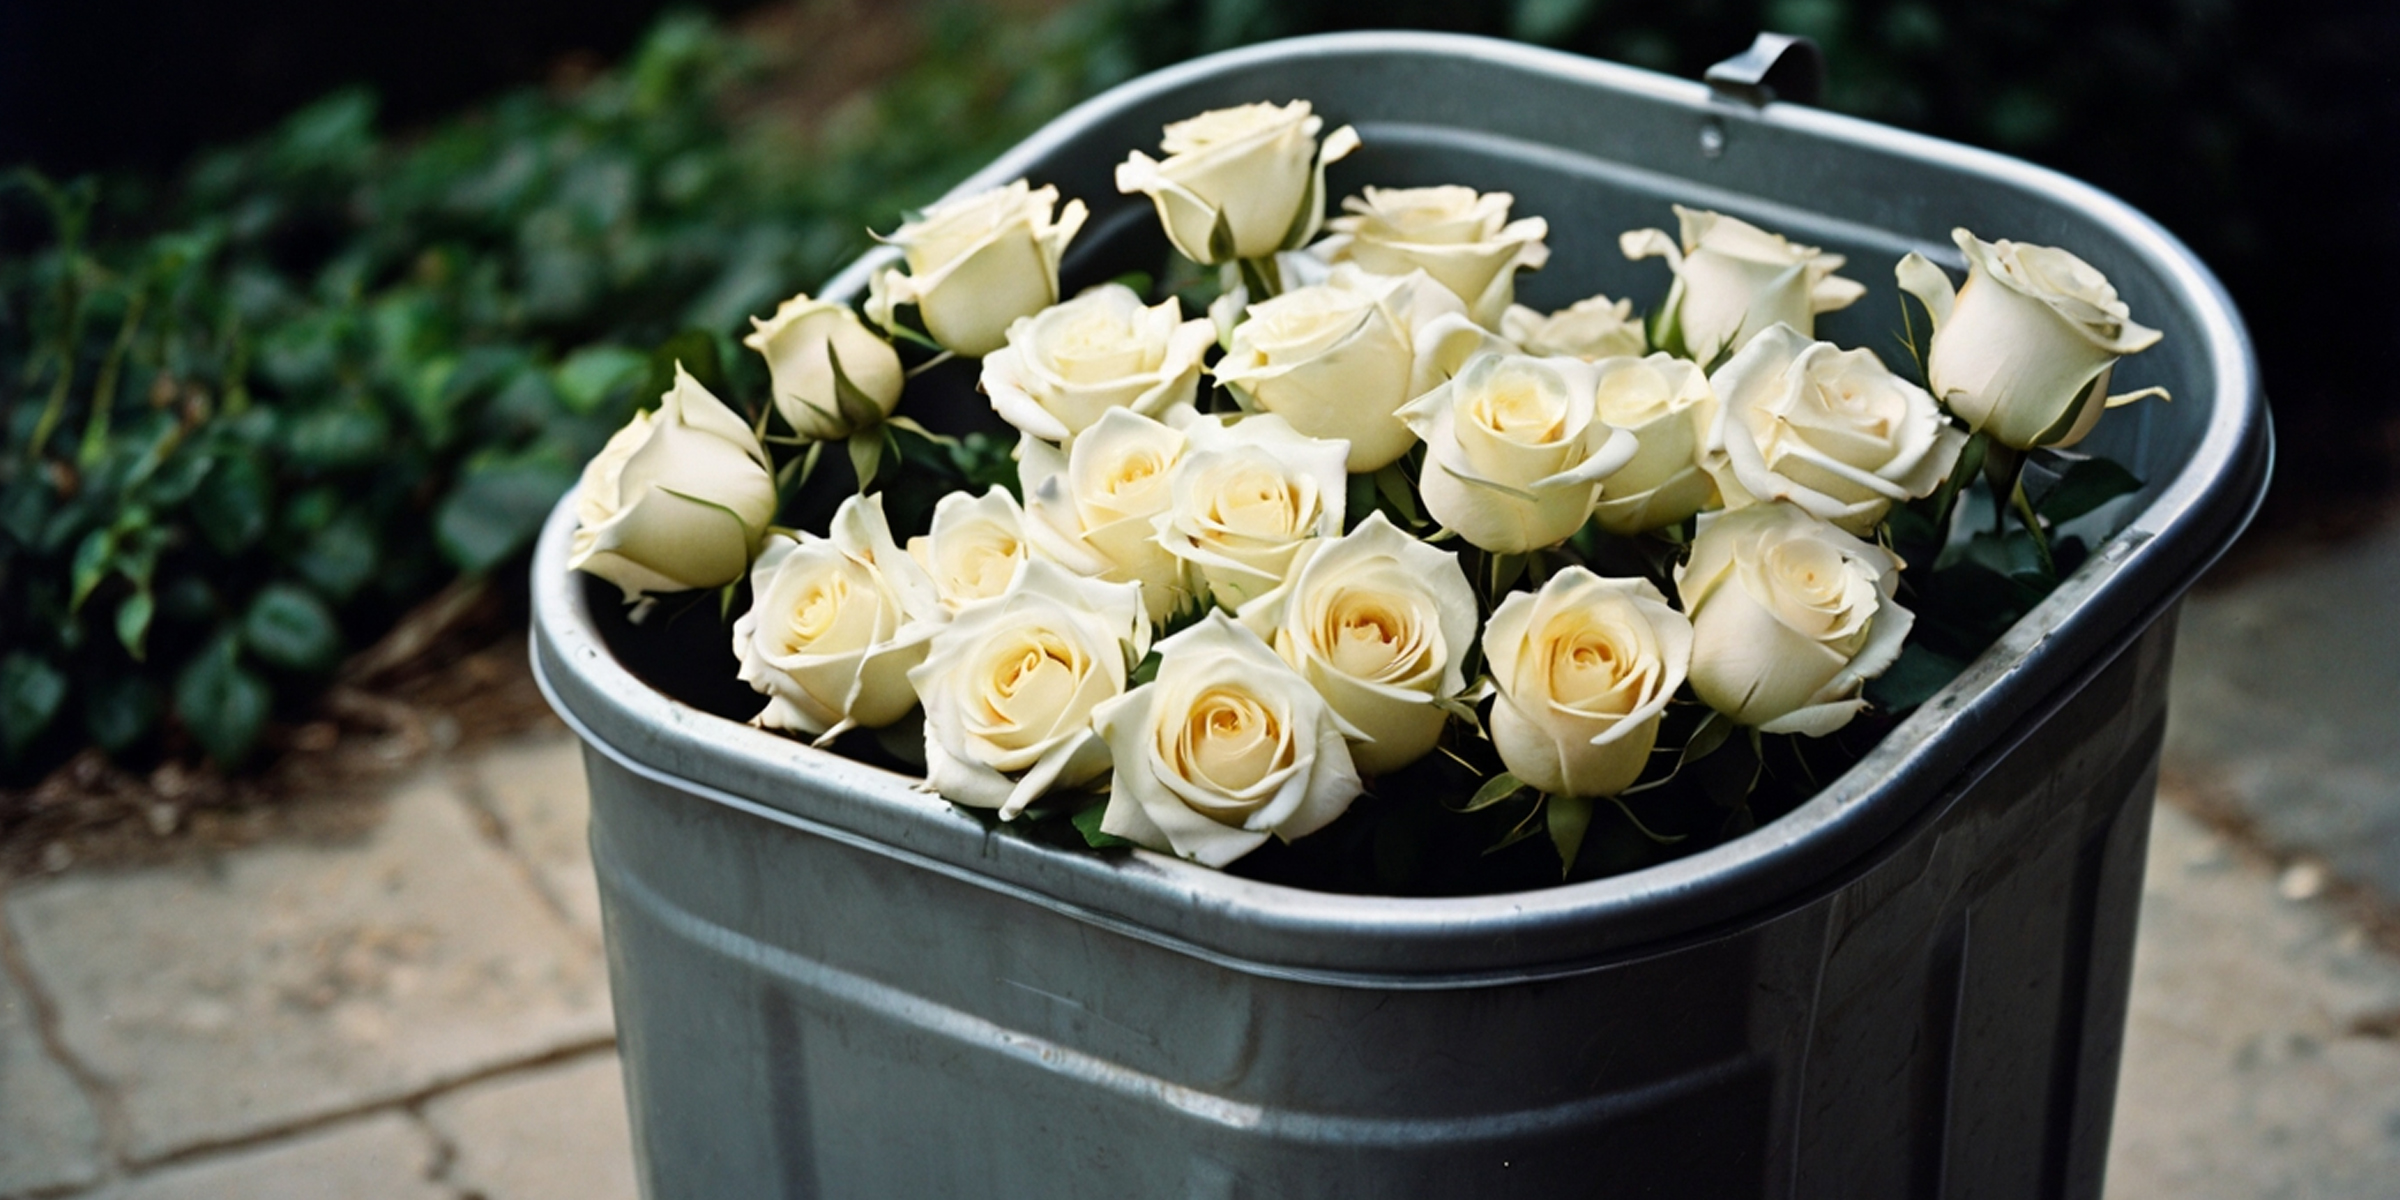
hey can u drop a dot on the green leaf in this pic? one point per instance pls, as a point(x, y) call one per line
point(119, 710)
point(1087, 823)
point(1392, 483)
point(1568, 819)
point(1221, 245)
point(93, 557)
point(1494, 790)
point(496, 509)
point(221, 702)
point(866, 455)
point(1144, 671)
point(353, 435)
point(2086, 485)
point(590, 376)
point(858, 410)
point(1912, 679)
point(289, 627)
point(133, 622)
point(30, 692)
point(339, 557)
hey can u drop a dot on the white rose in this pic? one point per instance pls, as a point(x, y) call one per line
point(1010, 685)
point(1790, 618)
point(1225, 749)
point(1733, 279)
point(1828, 429)
point(977, 263)
point(835, 624)
point(1585, 668)
point(1095, 509)
point(1066, 366)
point(1244, 496)
point(1379, 623)
point(2024, 351)
point(1239, 182)
point(677, 499)
point(1464, 240)
point(1338, 359)
point(1591, 329)
point(802, 343)
point(974, 548)
point(1667, 405)
point(1515, 450)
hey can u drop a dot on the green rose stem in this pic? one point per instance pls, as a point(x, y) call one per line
point(1262, 277)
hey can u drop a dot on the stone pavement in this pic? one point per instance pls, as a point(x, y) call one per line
point(420, 1010)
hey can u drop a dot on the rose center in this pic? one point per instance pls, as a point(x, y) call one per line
point(1519, 408)
point(1370, 638)
point(1034, 684)
point(1097, 347)
point(1258, 504)
point(1232, 741)
point(819, 607)
point(1588, 669)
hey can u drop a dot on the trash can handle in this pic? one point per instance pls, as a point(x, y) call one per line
point(1777, 66)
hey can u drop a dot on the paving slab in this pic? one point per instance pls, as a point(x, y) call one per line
point(534, 790)
point(225, 997)
point(553, 1133)
point(2260, 1058)
point(49, 1135)
point(383, 1157)
point(2286, 699)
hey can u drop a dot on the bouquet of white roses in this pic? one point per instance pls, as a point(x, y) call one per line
point(1358, 542)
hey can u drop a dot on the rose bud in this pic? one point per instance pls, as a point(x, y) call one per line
point(802, 343)
point(677, 499)
point(1463, 239)
point(1239, 182)
point(2025, 350)
point(977, 263)
point(1733, 279)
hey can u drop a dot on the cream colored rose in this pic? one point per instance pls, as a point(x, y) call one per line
point(835, 624)
point(1515, 450)
point(2025, 350)
point(1591, 329)
point(677, 499)
point(1733, 279)
point(1463, 239)
point(1668, 407)
point(801, 344)
point(1830, 430)
point(1584, 668)
point(1066, 366)
point(1379, 623)
point(1338, 359)
point(976, 264)
point(1790, 618)
point(1244, 496)
point(1239, 182)
point(1009, 687)
point(974, 548)
point(1225, 749)
point(1094, 509)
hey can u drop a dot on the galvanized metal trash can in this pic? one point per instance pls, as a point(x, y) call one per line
point(828, 984)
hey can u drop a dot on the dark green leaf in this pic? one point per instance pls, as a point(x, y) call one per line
point(30, 692)
point(339, 557)
point(593, 374)
point(496, 509)
point(93, 558)
point(120, 709)
point(1567, 818)
point(133, 622)
point(222, 703)
point(1912, 679)
point(1087, 823)
point(2086, 485)
point(352, 435)
point(1494, 790)
point(289, 627)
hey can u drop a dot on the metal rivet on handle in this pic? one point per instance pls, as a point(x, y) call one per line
point(1712, 138)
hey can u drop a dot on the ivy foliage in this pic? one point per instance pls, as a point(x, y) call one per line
point(254, 414)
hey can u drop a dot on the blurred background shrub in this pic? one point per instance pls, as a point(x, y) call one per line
point(260, 401)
